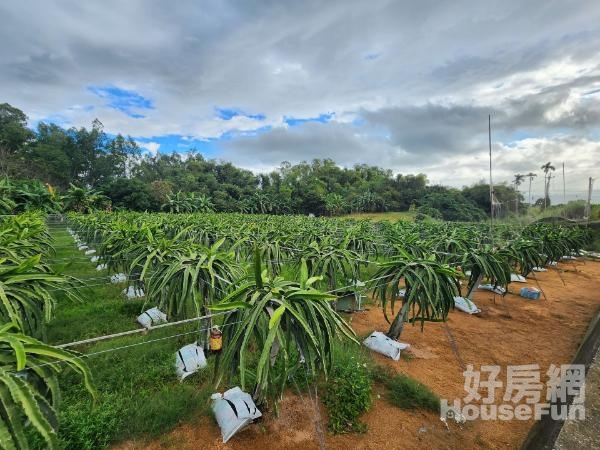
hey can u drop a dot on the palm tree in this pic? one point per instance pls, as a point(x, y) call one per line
point(548, 167)
point(530, 175)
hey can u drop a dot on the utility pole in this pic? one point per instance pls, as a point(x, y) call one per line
point(547, 189)
point(588, 206)
point(491, 182)
point(564, 187)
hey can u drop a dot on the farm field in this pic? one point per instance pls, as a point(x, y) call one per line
point(272, 284)
point(544, 332)
point(391, 216)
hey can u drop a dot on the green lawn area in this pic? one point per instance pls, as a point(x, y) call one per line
point(139, 393)
point(391, 216)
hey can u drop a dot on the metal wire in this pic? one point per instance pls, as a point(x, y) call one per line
point(114, 349)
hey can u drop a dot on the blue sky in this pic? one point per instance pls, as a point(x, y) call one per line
point(126, 101)
point(257, 85)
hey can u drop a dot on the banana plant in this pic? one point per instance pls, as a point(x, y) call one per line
point(288, 324)
point(430, 288)
point(29, 389)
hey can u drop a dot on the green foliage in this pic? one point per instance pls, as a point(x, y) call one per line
point(89, 427)
point(405, 392)
point(187, 203)
point(130, 194)
point(479, 194)
point(278, 331)
point(288, 323)
point(348, 389)
point(488, 263)
point(426, 211)
point(83, 199)
point(452, 205)
point(18, 196)
point(185, 281)
point(430, 289)
point(27, 285)
point(332, 260)
point(29, 388)
point(335, 204)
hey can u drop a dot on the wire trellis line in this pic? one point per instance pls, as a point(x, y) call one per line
point(136, 344)
point(140, 330)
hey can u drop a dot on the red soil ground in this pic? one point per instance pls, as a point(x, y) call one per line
point(542, 332)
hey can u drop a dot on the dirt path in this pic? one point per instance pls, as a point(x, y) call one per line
point(540, 332)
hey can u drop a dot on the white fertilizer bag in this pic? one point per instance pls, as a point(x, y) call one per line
point(553, 264)
point(495, 289)
point(90, 252)
point(517, 278)
point(233, 410)
point(118, 278)
point(153, 316)
point(82, 247)
point(466, 305)
point(539, 269)
point(100, 267)
point(380, 343)
point(188, 360)
point(133, 292)
point(95, 259)
point(401, 293)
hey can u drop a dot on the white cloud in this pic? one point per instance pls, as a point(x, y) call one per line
point(150, 147)
point(421, 104)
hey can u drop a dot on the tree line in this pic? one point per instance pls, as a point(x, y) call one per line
point(114, 173)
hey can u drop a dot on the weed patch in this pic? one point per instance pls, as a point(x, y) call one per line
point(348, 393)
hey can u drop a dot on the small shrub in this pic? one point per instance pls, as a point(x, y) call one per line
point(87, 427)
point(427, 212)
point(405, 392)
point(348, 393)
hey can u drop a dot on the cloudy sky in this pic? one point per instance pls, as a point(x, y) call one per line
point(406, 85)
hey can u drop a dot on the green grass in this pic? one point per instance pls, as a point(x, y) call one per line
point(391, 216)
point(405, 392)
point(139, 394)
